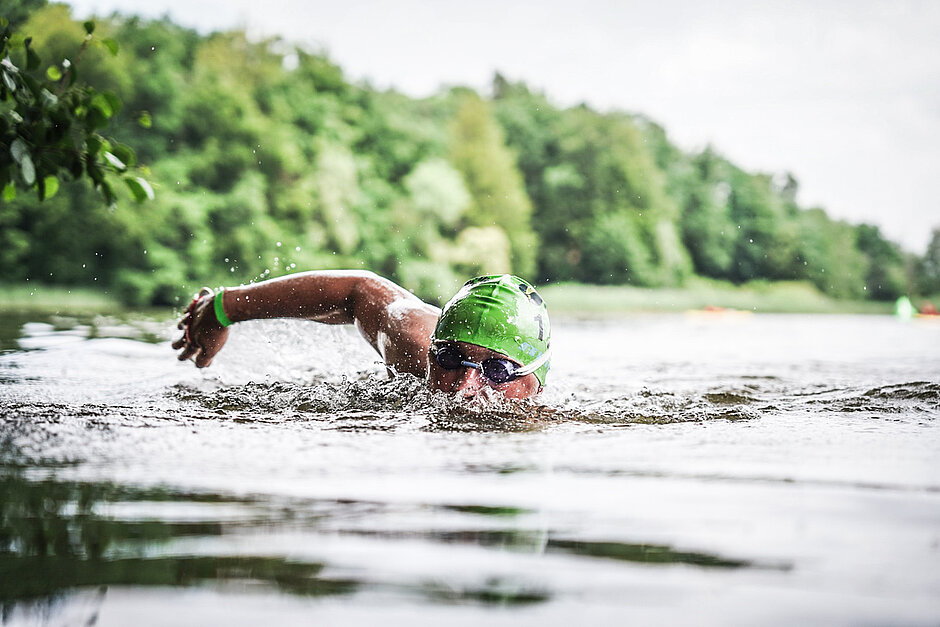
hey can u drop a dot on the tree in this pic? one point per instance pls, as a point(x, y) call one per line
point(489, 171)
point(50, 123)
point(885, 278)
point(707, 229)
point(828, 255)
point(608, 180)
point(928, 275)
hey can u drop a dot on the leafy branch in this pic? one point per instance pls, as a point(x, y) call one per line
point(51, 124)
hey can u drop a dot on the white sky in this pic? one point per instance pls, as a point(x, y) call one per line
point(844, 94)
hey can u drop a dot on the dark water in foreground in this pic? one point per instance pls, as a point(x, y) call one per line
point(679, 470)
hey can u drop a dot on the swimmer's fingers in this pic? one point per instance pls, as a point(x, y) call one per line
point(188, 352)
point(204, 359)
point(210, 345)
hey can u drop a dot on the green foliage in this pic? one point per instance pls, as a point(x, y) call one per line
point(708, 231)
point(928, 268)
point(18, 11)
point(601, 211)
point(266, 160)
point(496, 188)
point(437, 192)
point(614, 252)
point(828, 255)
point(51, 123)
point(885, 279)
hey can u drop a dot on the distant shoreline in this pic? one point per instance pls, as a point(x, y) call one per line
point(565, 299)
point(705, 296)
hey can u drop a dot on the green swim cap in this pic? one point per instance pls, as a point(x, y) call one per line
point(503, 313)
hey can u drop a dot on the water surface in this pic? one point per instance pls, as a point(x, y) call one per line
point(679, 469)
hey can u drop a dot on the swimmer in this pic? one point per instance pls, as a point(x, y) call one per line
point(494, 333)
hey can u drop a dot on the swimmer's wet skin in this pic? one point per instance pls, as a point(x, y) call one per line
point(494, 333)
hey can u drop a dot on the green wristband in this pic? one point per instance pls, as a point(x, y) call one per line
point(219, 309)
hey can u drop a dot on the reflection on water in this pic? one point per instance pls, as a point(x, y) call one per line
point(57, 537)
point(676, 470)
point(29, 330)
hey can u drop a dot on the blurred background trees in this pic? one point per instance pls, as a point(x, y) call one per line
point(266, 160)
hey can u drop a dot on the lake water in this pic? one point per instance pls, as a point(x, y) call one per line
point(679, 469)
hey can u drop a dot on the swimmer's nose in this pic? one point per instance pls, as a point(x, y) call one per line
point(470, 381)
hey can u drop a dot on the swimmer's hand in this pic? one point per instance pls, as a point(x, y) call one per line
point(203, 336)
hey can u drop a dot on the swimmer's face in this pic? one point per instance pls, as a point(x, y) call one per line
point(467, 381)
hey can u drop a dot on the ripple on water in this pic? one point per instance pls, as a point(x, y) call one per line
point(919, 398)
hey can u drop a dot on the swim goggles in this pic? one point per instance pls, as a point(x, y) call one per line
point(495, 369)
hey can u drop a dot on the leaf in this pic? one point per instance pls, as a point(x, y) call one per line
point(113, 101)
point(108, 193)
point(111, 45)
point(49, 99)
point(124, 153)
point(9, 191)
point(114, 161)
point(145, 120)
point(54, 74)
point(19, 150)
point(94, 173)
point(94, 119)
point(32, 59)
point(52, 186)
point(89, 27)
point(28, 170)
point(8, 80)
point(140, 188)
point(32, 84)
point(93, 145)
point(102, 104)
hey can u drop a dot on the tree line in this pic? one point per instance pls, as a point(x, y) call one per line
point(265, 159)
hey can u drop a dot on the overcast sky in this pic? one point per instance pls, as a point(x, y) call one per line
point(843, 94)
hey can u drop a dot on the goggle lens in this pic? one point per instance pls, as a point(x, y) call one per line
point(498, 370)
point(449, 358)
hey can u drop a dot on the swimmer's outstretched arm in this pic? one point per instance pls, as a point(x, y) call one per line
point(393, 320)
